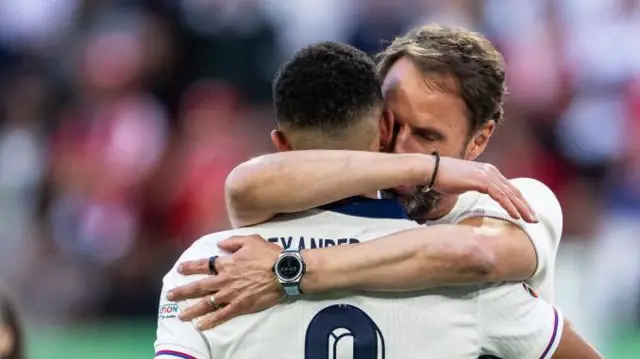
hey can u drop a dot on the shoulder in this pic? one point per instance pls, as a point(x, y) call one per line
point(543, 201)
point(206, 245)
point(545, 235)
point(540, 197)
point(532, 189)
point(535, 189)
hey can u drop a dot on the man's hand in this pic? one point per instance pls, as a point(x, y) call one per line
point(245, 282)
point(458, 176)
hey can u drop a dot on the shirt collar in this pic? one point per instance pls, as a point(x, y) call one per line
point(360, 206)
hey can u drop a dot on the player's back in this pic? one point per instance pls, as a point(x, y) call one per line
point(439, 323)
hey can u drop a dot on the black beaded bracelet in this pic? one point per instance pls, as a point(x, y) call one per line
point(432, 181)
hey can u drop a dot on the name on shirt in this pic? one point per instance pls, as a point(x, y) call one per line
point(310, 242)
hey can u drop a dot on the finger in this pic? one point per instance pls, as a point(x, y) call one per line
point(198, 266)
point(202, 307)
point(223, 262)
point(516, 204)
point(498, 193)
point(196, 289)
point(524, 207)
point(515, 196)
point(218, 317)
point(232, 244)
point(521, 206)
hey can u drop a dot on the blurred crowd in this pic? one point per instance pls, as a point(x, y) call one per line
point(119, 121)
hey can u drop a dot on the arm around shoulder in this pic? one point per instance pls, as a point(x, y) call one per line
point(293, 181)
point(503, 250)
point(518, 250)
point(413, 259)
point(245, 203)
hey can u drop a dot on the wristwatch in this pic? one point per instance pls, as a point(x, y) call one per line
point(289, 269)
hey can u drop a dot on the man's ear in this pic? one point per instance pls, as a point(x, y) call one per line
point(479, 141)
point(280, 141)
point(386, 131)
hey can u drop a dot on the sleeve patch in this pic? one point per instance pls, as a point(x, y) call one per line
point(168, 311)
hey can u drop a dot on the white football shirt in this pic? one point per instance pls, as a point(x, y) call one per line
point(455, 322)
point(545, 235)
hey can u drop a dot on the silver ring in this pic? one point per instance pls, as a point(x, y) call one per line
point(212, 301)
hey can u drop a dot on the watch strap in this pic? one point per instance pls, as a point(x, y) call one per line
point(292, 289)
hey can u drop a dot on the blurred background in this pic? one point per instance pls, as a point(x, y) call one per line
point(119, 121)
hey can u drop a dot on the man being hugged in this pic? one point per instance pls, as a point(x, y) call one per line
point(443, 90)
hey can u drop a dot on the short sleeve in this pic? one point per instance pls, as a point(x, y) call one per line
point(544, 235)
point(515, 324)
point(175, 338)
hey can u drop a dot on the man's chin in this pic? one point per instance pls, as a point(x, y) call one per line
point(419, 205)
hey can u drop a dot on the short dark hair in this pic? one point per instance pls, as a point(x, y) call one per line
point(467, 56)
point(327, 86)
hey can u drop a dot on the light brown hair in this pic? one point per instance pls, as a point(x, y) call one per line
point(475, 65)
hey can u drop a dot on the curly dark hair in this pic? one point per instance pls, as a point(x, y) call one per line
point(467, 56)
point(328, 87)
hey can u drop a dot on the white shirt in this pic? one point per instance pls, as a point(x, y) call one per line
point(454, 322)
point(544, 235)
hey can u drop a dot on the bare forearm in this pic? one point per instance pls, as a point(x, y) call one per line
point(573, 346)
point(293, 181)
point(410, 260)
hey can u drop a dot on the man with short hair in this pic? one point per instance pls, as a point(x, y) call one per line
point(337, 83)
point(444, 89)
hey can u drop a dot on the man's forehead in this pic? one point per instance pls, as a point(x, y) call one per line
point(402, 73)
point(405, 74)
point(423, 101)
point(432, 109)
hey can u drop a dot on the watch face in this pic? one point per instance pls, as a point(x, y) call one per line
point(289, 267)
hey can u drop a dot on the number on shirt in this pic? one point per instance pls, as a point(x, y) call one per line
point(323, 333)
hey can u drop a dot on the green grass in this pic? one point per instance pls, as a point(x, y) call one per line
point(135, 340)
point(106, 341)
point(626, 346)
